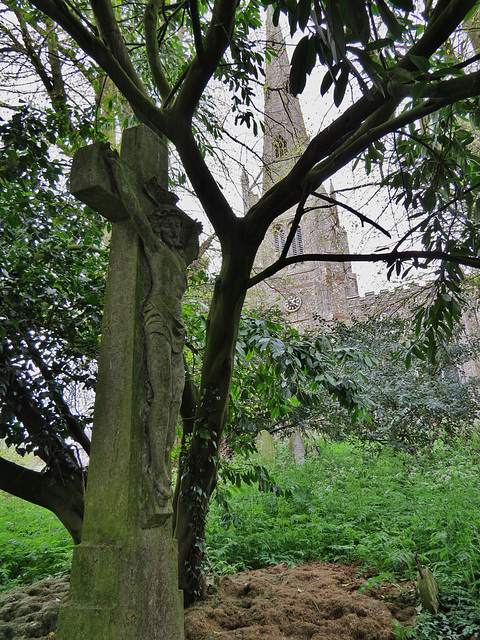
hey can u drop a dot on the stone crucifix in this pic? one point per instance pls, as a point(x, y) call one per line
point(124, 574)
point(131, 191)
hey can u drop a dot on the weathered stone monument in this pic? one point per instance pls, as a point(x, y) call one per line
point(265, 445)
point(297, 448)
point(124, 582)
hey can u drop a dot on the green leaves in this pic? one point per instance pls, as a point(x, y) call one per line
point(432, 170)
point(280, 373)
point(389, 19)
point(421, 62)
point(415, 401)
point(437, 319)
point(51, 285)
point(335, 27)
point(340, 86)
point(303, 61)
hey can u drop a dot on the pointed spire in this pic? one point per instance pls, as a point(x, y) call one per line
point(245, 190)
point(278, 69)
point(285, 133)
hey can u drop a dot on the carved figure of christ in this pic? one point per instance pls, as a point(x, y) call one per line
point(170, 242)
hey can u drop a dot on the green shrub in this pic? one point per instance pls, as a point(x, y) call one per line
point(458, 618)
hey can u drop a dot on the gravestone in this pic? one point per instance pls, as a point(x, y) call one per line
point(265, 446)
point(297, 448)
point(124, 582)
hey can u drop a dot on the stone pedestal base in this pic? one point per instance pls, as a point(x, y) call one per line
point(125, 592)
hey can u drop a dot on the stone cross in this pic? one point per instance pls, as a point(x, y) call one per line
point(124, 580)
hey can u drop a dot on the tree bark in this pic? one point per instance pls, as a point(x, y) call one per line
point(199, 465)
point(60, 486)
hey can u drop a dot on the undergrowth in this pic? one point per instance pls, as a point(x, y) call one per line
point(351, 505)
point(354, 505)
point(33, 543)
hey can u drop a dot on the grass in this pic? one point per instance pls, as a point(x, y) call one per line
point(33, 543)
point(355, 506)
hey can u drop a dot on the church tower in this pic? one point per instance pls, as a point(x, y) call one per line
point(305, 290)
point(285, 133)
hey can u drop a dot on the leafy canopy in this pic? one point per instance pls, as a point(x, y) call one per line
point(52, 281)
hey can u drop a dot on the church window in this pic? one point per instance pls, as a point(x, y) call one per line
point(297, 243)
point(278, 239)
point(296, 246)
point(280, 146)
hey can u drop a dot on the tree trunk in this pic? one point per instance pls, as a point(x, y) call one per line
point(198, 468)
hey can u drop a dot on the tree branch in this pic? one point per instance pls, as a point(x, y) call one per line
point(467, 86)
point(294, 226)
point(58, 88)
point(216, 206)
point(65, 500)
point(438, 31)
point(337, 137)
point(49, 446)
point(29, 50)
point(152, 50)
point(92, 45)
point(203, 66)
point(390, 258)
point(360, 216)
point(353, 131)
point(197, 31)
point(72, 422)
point(111, 35)
point(425, 221)
point(368, 134)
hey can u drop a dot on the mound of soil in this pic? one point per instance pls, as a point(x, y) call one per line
point(315, 600)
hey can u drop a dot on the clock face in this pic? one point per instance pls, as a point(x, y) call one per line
point(293, 303)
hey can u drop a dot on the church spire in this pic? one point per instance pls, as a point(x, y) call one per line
point(285, 133)
point(306, 290)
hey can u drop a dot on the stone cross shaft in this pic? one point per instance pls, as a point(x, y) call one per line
point(124, 580)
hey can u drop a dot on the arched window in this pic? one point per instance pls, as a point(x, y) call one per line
point(280, 146)
point(296, 248)
point(278, 239)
